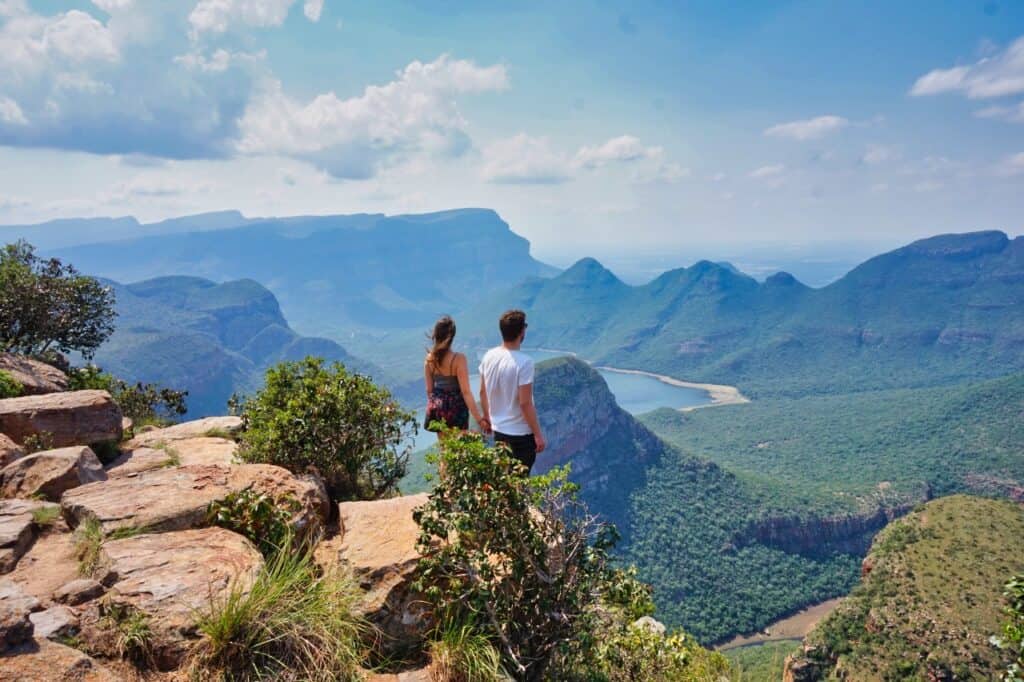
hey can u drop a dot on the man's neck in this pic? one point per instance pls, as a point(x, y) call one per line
point(511, 345)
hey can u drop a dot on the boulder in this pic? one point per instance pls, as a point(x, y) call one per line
point(176, 498)
point(194, 429)
point(9, 451)
point(79, 591)
point(170, 577)
point(48, 564)
point(378, 542)
point(177, 453)
point(41, 660)
point(35, 377)
point(50, 473)
point(15, 607)
point(62, 419)
point(54, 622)
point(17, 529)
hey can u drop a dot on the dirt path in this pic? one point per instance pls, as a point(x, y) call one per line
point(795, 627)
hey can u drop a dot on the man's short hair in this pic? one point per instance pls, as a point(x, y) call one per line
point(512, 324)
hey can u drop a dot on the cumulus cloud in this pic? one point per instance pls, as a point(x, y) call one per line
point(352, 138)
point(217, 16)
point(312, 9)
point(1011, 114)
point(998, 75)
point(808, 129)
point(11, 113)
point(523, 159)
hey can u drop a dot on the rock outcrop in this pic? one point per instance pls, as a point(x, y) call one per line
point(9, 451)
point(183, 452)
point(17, 529)
point(35, 377)
point(62, 419)
point(15, 608)
point(50, 473)
point(377, 540)
point(41, 660)
point(54, 622)
point(196, 428)
point(169, 577)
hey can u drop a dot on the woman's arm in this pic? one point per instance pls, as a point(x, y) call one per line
point(428, 378)
point(462, 371)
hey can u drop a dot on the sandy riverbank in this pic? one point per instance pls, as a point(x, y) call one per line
point(719, 393)
point(795, 627)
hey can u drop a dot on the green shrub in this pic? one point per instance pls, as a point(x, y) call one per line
point(133, 636)
point(257, 516)
point(308, 415)
point(293, 623)
point(635, 652)
point(45, 517)
point(461, 654)
point(9, 388)
point(37, 442)
point(1012, 638)
point(143, 403)
point(48, 306)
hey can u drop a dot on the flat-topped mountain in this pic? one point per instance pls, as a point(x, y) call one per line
point(939, 310)
point(332, 274)
point(211, 339)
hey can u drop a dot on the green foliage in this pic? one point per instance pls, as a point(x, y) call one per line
point(637, 652)
point(45, 517)
point(259, 517)
point(143, 403)
point(293, 624)
point(1012, 638)
point(133, 635)
point(761, 662)
point(37, 442)
point(9, 388)
point(352, 431)
point(930, 599)
point(48, 305)
point(88, 543)
point(461, 654)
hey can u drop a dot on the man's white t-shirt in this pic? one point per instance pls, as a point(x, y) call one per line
point(503, 372)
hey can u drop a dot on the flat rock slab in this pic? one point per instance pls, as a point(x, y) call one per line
point(378, 542)
point(54, 622)
point(79, 591)
point(15, 607)
point(49, 564)
point(35, 377)
point(17, 529)
point(185, 452)
point(194, 429)
point(51, 472)
point(171, 576)
point(44, 661)
point(62, 419)
point(177, 498)
point(9, 451)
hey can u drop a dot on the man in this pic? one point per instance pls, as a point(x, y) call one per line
point(506, 392)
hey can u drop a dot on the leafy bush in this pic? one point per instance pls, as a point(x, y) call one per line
point(133, 636)
point(49, 306)
point(9, 388)
point(143, 403)
point(350, 430)
point(293, 623)
point(1012, 638)
point(262, 519)
point(461, 654)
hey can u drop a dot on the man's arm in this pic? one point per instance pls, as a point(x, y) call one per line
point(530, 415)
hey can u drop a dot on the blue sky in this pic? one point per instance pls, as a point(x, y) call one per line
point(593, 128)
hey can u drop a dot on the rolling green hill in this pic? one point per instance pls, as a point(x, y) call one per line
point(929, 600)
point(941, 310)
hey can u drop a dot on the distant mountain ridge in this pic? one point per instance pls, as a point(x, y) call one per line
point(211, 339)
point(333, 275)
point(939, 310)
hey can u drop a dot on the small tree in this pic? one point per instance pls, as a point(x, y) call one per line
point(144, 403)
point(352, 431)
point(1012, 638)
point(48, 306)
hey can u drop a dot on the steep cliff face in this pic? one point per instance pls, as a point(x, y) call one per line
point(607, 449)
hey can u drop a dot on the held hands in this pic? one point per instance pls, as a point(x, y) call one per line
point(485, 424)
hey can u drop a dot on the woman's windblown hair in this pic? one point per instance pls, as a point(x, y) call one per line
point(442, 337)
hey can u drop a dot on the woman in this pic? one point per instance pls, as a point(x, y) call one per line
point(446, 373)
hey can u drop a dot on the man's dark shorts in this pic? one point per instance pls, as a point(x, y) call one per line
point(524, 448)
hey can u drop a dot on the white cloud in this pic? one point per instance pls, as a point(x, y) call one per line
point(996, 76)
point(312, 9)
point(352, 138)
point(877, 153)
point(622, 148)
point(523, 159)
point(772, 171)
point(1011, 165)
point(808, 129)
point(10, 112)
point(217, 16)
point(111, 6)
point(1011, 114)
